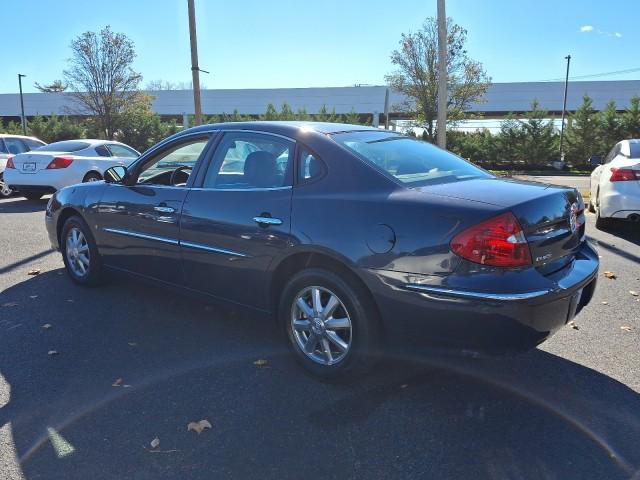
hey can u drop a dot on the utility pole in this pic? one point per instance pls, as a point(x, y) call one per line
point(442, 75)
point(195, 70)
point(564, 108)
point(23, 120)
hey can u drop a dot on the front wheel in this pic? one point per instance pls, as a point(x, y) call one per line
point(330, 323)
point(80, 253)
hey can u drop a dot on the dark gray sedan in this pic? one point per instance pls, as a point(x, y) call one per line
point(356, 239)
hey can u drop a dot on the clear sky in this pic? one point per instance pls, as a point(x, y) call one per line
point(287, 43)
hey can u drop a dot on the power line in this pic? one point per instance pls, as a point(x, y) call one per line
point(594, 75)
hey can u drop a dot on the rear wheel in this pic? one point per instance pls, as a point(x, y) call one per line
point(5, 190)
point(601, 222)
point(330, 324)
point(31, 195)
point(80, 253)
point(92, 177)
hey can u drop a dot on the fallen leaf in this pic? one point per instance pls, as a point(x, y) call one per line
point(573, 325)
point(626, 328)
point(634, 293)
point(52, 352)
point(610, 275)
point(10, 304)
point(35, 271)
point(155, 443)
point(261, 363)
point(605, 303)
point(198, 426)
point(117, 383)
point(47, 326)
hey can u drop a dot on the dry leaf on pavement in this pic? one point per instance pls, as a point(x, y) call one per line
point(155, 443)
point(198, 426)
point(573, 325)
point(261, 363)
point(610, 275)
point(52, 352)
point(626, 328)
point(634, 293)
point(47, 326)
point(605, 303)
point(10, 304)
point(117, 383)
point(35, 271)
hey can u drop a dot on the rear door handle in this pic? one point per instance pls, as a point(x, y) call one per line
point(163, 209)
point(267, 221)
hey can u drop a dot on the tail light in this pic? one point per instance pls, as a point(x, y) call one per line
point(10, 163)
point(624, 174)
point(60, 162)
point(499, 242)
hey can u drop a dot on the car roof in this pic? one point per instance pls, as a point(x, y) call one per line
point(290, 127)
point(10, 135)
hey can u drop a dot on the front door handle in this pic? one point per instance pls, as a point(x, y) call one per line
point(164, 209)
point(266, 221)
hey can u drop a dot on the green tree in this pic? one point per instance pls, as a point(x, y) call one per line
point(610, 130)
point(539, 140)
point(271, 113)
point(302, 114)
point(139, 127)
point(582, 133)
point(12, 128)
point(100, 77)
point(286, 113)
point(417, 74)
point(352, 117)
point(509, 141)
point(631, 120)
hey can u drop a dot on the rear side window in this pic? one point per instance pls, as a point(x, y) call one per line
point(33, 144)
point(15, 145)
point(634, 149)
point(310, 166)
point(412, 162)
point(102, 151)
point(64, 146)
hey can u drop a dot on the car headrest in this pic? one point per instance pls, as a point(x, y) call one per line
point(261, 169)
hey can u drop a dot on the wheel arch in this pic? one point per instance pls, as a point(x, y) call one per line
point(315, 258)
point(63, 216)
point(93, 170)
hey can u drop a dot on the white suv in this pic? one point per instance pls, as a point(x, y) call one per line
point(13, 145)
point(615, 184)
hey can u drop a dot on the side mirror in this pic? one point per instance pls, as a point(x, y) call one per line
point(595, 160)
point(116, 174)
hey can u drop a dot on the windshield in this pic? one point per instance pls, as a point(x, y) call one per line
point(413, 162)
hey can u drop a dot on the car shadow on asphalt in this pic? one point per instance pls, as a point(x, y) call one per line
point(175, 360)
point(629, 231)
point(22, 205)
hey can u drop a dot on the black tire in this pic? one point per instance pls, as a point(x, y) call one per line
point(602, 223)
point(31, 195)
point(94, 274)
point(590, 206)
point(364, 334)
point(92, 177)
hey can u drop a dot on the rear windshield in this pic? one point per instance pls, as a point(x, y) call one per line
point(65, 146)
point(634, 150)
point(413, 162)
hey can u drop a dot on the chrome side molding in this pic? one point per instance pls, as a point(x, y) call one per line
point(450, 292)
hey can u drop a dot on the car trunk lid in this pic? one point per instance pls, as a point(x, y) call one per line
point(33, 162)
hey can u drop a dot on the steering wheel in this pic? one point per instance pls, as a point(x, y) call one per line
point(174, 174)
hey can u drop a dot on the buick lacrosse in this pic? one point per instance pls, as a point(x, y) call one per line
point(357, 240)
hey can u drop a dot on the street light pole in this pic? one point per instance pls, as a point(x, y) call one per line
point(564, 108)
point(195, 70)
point(442, 75)
point(23, 120)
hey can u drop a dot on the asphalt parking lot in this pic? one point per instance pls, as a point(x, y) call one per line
point(569, 409)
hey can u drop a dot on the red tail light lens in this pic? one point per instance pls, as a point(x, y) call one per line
point(10, 163)
point(499, 242)
point(624, 174)
point(60, 162)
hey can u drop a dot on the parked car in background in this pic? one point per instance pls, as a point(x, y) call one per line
point(12, 145)
point(355, 238)
point(59, 164)
point(615, 184)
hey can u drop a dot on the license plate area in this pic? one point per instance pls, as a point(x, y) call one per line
point(29, 167)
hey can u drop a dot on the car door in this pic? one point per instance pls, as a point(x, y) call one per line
point(238, 219)
point(138, 223)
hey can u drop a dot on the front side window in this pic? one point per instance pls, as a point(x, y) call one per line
point(173, 166)
point(122, 151)
point(250, 160)
point(412, 162)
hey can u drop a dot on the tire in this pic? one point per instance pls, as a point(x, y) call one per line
point(590, 206)
point(5, 190)
point(92, 177)
point(602, 223)
point(353, 306)
point(89, 272)
point(31, 195)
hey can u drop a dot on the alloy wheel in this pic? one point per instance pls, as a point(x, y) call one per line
point(321, 325)
point(78, 256)
point(5, 190)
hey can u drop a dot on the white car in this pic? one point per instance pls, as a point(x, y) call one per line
point(615, 184)
point(12, 145)
point(59, 164)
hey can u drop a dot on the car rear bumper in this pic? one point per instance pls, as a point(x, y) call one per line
point(620, 204)
point(51, 180)
point(417, 312)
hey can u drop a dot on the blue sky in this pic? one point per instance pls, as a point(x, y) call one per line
point(286, 43)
